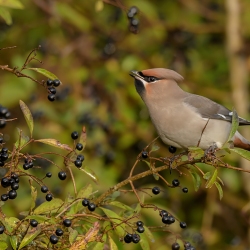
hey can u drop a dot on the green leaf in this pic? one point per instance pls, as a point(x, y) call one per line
point(99, 246)
point(13, 242)
point(30, 235)
point(5, 14)
point(90, 173)
point(72, 235)
point(112, 245)
point(195, 152)
point(212, 180)
point(22, 139)
point(115, 219)
point(41, 218)
point(144, 242)
point(120, 205)
point(28, 116)
point(149, 234)
point(3, 245)
point(196, 179)
point(217, 184)
point(155, 147)
point(9, 223)
point(235, 125)
point(15, 4)
point(207, 175)
point(48, 206)
point(242, 152)
point(55, 143)
point(33, 197)
point(45, 73)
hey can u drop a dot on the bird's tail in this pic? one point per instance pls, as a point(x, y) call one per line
point(241, 142)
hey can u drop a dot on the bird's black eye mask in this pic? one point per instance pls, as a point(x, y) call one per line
point(148, 78)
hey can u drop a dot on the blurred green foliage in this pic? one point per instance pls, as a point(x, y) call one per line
point(89, 46)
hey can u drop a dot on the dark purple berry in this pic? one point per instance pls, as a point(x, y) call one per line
point(183, 224)
point(53, 239)
point(59, 232)
point(139, 223)
point(136, 238)
point(91, 207)
point(4, 156)
point(1, 140)
point(44, 189)
point(85, 202)
point(5, 182)
point(156, 190)
point(144, 154)
point(79, 146)
point(56, 82)
point(33, 223)
point(140, 229)
point(4, 197)
point(128, 238)
point(80, 157)
point(78, 163)
point(175, 183)
point(175, 246)
point(2, 123)
point(12, 194)
point(49, 82)
point(62, 175)
point(3, 111)
point(48, 174)
point(169, 219)
point(48, 197)
point(7, 115)
point(52, 90)
point(163, 213)
point(51, 97)
point(74, 135)
point(2, 228)
point(67, 222)
point(14, 186)
point(4, 150)
point(185, 190)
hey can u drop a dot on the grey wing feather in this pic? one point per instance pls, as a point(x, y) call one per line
point(210, 109)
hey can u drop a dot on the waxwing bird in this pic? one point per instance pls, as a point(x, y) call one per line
point(183, 119)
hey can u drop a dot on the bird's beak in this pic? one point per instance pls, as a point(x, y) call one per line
point(135, 74)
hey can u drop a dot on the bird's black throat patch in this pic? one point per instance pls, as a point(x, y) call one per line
point(140, 88)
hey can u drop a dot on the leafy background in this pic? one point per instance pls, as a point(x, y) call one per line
point(89, 46)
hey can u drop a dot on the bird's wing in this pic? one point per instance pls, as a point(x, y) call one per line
point(210, 109)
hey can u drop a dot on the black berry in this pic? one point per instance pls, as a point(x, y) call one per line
point(49, 82)
point(175, 183)
point(67, 222)
point(172, 149)
point(52, 90)
point(44, 189)
point(51, 97)
point(144, 154)
point(183, 224)
point(4, 197)
point(163, 213)
point(4, 156)
point(2, 123)
point(31, 164)
point(48, 197)
point(1, 163)
point(85, 202)
point(4, 150)
point(140, 229)
point(26, 166)
point(128, 238)
point(7, 115)
point(136, 238)
point(80, 157)
point(185, 190)
point(62, 175)
point(175, 246)
point(91, 207)
point(48, 174)
point(53, 239)
point(3, 111)
point(169, 219)
point(139, 223)
point(79, 146)
point(2, 228)
point(12, 194)
point(187, 245)
point(5, 182)
point(56, 82)
point(59, 232)
point(74, 135)
point(1, 140)
point(156, 190)
point(78, 163)
point(33, 223)
point(14, 186)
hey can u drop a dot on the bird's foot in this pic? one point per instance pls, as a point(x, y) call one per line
point(173, 160)
point(209, 153)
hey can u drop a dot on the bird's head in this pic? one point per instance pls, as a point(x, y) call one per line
point(154, 81)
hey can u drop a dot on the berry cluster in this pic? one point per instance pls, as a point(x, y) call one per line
point(11, 182)
point(133, 22)
point(3, 156)
point(135, 238)
point(52, 84)
point(28, 164)
point(91, 206)
point(4, 114)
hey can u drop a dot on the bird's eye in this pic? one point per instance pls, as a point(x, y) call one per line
point(151, 79)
